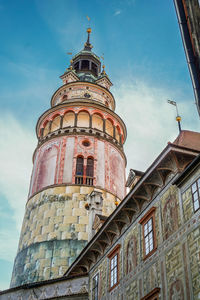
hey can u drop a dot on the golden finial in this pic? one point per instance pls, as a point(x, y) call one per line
point(89, 30)
point(116, 202)
point(178, 118)
point(104, 72)
point(71, 60)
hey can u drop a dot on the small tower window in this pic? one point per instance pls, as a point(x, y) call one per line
point(94, 68)
point(84, 174)
point(79, 170)
point(90, 171)
point(76, 66)
point(85, 65)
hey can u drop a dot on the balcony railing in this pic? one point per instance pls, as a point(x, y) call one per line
point(84, 180)
point(89, 180)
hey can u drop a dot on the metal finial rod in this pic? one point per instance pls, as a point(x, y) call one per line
point(88, 39)
point(178, 117)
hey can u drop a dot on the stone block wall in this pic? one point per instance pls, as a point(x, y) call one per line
point(54, 231)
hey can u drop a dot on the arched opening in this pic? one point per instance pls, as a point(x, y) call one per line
point(97, 122)
point(47, 168)
point(46, 129)
point(109, 127)
point(89, 171)
point(68, 119)
point(76, 66)
point(85, 65)
point(79, 170)
point(55, 125)
point(94, 68)
point(117, 133)
point(83, 119)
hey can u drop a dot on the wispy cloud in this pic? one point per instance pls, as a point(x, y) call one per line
point(16, 147)
point(117, 12)
point(150, 120)
point(17, 144)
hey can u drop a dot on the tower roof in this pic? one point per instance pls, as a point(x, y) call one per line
point(86, 64)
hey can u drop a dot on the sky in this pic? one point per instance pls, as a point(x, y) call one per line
point(144, 58)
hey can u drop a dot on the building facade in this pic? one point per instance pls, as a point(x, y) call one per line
point(188, 14)
point(79, 156)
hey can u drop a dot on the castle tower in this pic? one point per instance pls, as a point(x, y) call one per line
point(79, 152)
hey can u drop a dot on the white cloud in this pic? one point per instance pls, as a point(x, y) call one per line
point(9, 240)
point(117, 12)
point(16, 148)
point(150, 120)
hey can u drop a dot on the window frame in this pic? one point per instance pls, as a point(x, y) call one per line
point(145, 219)
point(86, 168)
point(94, 293)
point(198, 193)
point(111, 255)
point(151, 296)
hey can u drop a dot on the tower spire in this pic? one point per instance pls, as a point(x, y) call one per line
point(87, 45)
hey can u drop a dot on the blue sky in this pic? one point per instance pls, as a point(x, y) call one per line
point(144, 58)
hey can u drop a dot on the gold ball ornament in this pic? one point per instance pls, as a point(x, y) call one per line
point(116, 202)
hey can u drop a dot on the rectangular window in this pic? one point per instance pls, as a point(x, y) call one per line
point(113, 270)
point(95, 287)
point(148, 236)
point(114, 266)
point(196, 194)
point(148, 232)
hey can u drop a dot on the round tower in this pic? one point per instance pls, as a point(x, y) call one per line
point(79, 152)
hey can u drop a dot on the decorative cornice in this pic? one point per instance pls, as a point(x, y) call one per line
point(78, 103)
point(83, 83)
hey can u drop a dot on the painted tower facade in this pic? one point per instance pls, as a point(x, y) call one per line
point(79, 156)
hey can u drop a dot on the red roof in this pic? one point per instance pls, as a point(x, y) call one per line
point(188, 139)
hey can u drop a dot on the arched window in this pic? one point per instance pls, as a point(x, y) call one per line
point(68, 119)
point(109, 127)
point(83, 119)
point(117, 134)
point(85, 65)
point(97, 122)
point(76, 66)
point(46, 129)
point(90, 171)
point(94, 68)
point(55, 125)
point(84, 175)
point(79, 170)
